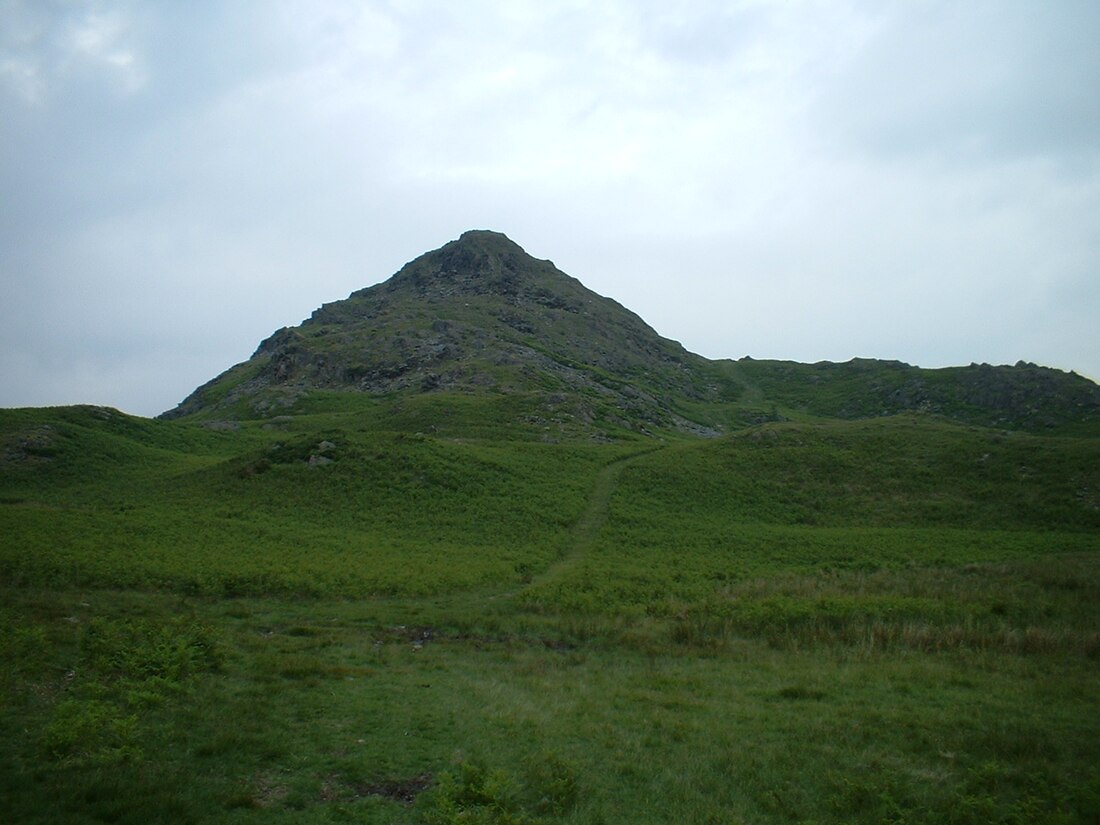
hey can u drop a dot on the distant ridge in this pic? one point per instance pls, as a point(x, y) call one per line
point(479, 315)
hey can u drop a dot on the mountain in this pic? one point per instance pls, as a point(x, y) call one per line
point(480, 316)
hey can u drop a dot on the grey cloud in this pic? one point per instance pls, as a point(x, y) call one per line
point(973, 82)
point(751, 178)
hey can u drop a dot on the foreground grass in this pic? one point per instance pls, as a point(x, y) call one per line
point(891, 621)
point(135, 707)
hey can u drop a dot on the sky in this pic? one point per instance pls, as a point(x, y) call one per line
point(811, 181)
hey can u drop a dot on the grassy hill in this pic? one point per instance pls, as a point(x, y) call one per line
point(218, 625)
point(336, 507)
point(487, 570)
point(1021, 397)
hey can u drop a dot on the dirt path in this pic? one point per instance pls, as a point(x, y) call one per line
point(587, 527)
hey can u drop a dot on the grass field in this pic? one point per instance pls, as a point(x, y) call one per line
point(319, 619)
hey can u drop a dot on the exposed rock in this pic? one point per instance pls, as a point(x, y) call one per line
point(31, 445)
point(222, 426)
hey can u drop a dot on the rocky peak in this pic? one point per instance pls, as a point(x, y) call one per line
point(479, 262)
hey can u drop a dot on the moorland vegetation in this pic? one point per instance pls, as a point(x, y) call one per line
point(478, 546)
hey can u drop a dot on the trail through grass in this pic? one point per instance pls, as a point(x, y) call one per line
point(584, 531)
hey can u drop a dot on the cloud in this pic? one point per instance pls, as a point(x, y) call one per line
point(972, 83)
point(914, 181)
point(48, 46)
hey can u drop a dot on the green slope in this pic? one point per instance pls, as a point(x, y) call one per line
point(1022, 397)
point(210, 623)
point(337, 506)
point(688, 522)
point(104, 501)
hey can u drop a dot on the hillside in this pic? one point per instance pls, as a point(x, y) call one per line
point(1024, 396)
point(338, 506)
point(332, 617)
point(480, 317)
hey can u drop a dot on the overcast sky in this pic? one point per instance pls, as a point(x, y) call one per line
point(801, 180)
